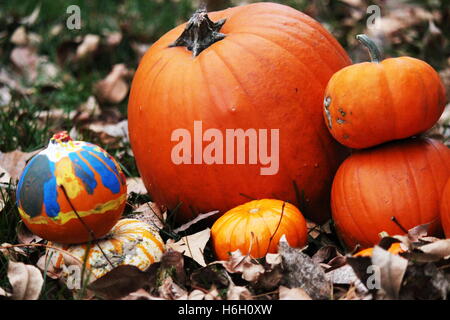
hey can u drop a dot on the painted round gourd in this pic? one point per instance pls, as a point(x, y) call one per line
point(370, 103)
point(130, 242)
point(262, 66)
point(256, 228)
point(445, 210)
point(401, 179)
point(69, 188)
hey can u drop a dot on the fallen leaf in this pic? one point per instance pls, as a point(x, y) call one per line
point(135, 185)
point(88, 46)
point(26, 281)
point(200, 217)
point(213, 294)
point(116, 130)
point(192, 245)
point(171, 291)
point(113, 89)
point(302, 272)
point(140, 294)
point(151, 214)
point(15, 161)
point(24, 235)
point(172, 264)
point(440, 248)
point(119, 282)
point(11, 252)
point(392, 269)
point(3, 293)
point(238, 263)
point(196, 295)
point(325, 254)
point(292, 294)
point(424, 282)
point(26, 60)
point(210, 276)
point(32, 18)
point(19, 36)
point(238, 293)
point(273, 259)
point(420, 231)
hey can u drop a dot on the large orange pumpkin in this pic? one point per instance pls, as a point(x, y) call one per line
point(445, 210)
point(256, 227)
point(369, 103)
point(264, 67)
point(403, 179)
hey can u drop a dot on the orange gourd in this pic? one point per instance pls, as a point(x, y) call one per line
point(370, 103)
point(395, 248)
point(445, 209)
point(264, 67)
point(256, 228)
point(402, 179)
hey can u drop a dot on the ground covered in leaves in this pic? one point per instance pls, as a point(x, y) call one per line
point(53, 78)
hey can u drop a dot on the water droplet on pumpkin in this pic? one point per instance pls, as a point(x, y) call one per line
point(233, 109)
point(316, 165)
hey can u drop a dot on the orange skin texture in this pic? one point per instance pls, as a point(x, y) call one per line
point(402, 179)
point(445, 210)
point(372, 103)
point(270, 72)
point(395, 248)
point(234, 229)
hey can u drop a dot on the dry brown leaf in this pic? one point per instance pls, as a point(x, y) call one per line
point(26, 281)
point(116, 130)
point(200, 217)
point(26, 60)
point(440, 248)
point(136, 185)
point(302, 272)
point(88, 46)
point(32, 18)
point(238, 293)
point(171, 291)
point(46, 264)
point(11, 252)
point(151, 214)
point(4, 293)
point(196, 295)
point(192, 246)
point(24, 235)
point(392, 269)
point(292, 294)
point(274, 259)
point(213, 294)
point(15, 161)
point(238, 263)
point(19, 36)
point(114, 38)
point(114, 88)
point(141, 294)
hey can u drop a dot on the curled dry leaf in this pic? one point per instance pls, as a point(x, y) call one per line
point(88, 46)
point(151, 214)
point(140, 294)
point(273, 259)
point(26, 60)
point(113, 89)
point(238, 293)
point(200, 217)
point(4, 293)
point(196, 295)
point(192, 246)
point(440, 248)
point(26, 236)
point(15, 161)
point(116, 130)
point(26, 281)
point(238, 263)
point(169, 290)
point(302, 272)
point(119, 282)
point(292, 294)
point(391, 269)
point(136, 185)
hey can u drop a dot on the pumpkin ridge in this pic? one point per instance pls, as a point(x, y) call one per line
point(391, 100)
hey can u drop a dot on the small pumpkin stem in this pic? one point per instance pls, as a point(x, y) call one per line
point(394, 219)
point(374, 51)
point(200, 33)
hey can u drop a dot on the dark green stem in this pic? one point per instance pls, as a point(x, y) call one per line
point(200, 33)
point(375, 54)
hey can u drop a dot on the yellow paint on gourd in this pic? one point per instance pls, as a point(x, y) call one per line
point(65, 176)
point(64, 217)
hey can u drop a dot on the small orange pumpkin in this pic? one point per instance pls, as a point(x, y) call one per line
point(445, 210)
point(369, 103)
point(395, 248)
point(401, 179)
point(256, 228)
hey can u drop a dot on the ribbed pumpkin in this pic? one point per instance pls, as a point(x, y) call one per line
point(445, 210)
point(256, 228)
point(264, 67)
point(369, 103)
point(69, 178)
point(130, 242)
point(395, 248)
point(404, 180)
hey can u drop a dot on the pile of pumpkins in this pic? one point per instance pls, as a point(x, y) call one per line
point(346, 134)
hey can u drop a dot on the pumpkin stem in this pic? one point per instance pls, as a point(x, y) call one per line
point(374, 51)
point(200, 33)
